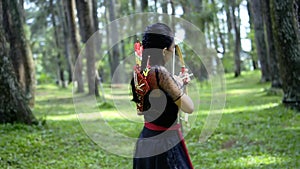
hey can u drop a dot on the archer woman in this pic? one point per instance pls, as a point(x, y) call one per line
point(159, 96)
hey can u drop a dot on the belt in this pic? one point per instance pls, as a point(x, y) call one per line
point(155, 127)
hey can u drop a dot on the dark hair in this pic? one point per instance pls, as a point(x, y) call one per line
point(155, 38)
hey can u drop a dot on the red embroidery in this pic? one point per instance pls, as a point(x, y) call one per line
point(141, 85)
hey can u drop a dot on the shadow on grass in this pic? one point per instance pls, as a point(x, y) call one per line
point(53, 100)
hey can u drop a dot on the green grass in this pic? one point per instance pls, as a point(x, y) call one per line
point(255, 131)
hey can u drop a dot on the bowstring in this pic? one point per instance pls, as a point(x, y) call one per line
point(173, 73)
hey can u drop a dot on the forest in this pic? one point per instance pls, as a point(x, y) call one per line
point(66, 66)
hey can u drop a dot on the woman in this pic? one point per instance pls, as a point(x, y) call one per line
point(160, 145)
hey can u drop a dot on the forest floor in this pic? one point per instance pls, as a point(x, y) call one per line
point(254, 131)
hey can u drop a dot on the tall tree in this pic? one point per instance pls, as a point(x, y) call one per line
point(60, 71)
point(217, 30)
point(114, 36)
point(20, 51)
point(229, 19)
point(95, 14)
point(237, 47)
point(70, 11)
point(164, 6)
point(133, 5)
point(271, 52)
point(86, 23)
point(256, 10)
point(253, 47)
point(62, 13)
point(97, 42)
point(144, 5)
point(288, 49)
point(228, 58)
point(13, 103)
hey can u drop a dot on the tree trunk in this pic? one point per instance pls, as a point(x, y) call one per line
point(115, 58)
point(60, 69)
point(216, 28)
point(87, 29)
point(66, 40)
point(260, 39)
point(133, 4)
point(288, 50)
point(218, 37)
point(97, 41)
point(13, 103)
point(253, 47)
point(70, 8)
point(144, 5)
point(173, 20)
point(107, 36)
point(164, 6)
point(271, 51)
point(229, 26)
point(95, 14)
point(20, 51)
point(237, 46)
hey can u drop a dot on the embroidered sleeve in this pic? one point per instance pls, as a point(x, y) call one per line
point(168, 84)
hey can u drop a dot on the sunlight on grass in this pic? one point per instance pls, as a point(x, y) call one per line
point(104, 115)
point(240, 91)
point(260, 160)
point(62, 117)
point(250, 108)
point(292, 128)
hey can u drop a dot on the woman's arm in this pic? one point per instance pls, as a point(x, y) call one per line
point(173, 86)
point(185, 103)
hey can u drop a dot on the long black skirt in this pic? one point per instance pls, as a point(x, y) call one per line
point(161, 150)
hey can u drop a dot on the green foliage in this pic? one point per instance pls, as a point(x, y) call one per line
point(44, 78)
point(255, 132)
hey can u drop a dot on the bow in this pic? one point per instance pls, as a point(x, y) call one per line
point(184, 76)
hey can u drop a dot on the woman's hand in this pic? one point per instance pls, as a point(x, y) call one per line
point(185, 76)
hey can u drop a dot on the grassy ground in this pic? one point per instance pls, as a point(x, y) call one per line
point(255, 131)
